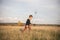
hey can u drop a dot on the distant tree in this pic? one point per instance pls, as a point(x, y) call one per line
point(19, 23)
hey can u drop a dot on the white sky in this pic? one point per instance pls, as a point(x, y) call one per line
point(14, 10)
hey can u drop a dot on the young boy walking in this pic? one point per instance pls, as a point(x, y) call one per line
point(28, 23)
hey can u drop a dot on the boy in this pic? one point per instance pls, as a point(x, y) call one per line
point(28, 23)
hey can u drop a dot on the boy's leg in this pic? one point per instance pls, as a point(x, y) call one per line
point(29, 26)
point(25, 27)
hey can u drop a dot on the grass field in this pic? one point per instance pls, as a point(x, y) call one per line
point(37, 33)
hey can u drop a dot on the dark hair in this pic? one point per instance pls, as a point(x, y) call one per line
point(30, 16)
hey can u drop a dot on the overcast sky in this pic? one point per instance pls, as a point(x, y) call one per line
point(47, 11)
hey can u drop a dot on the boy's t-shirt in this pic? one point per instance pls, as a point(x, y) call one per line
point(28, 22)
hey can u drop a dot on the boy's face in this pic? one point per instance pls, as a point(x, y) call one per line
point(30, 18)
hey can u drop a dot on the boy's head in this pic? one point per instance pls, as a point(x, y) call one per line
point(30, 17)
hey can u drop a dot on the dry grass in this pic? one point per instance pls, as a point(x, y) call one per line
point(37, 33)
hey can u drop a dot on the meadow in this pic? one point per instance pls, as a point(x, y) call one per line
point(37, 33)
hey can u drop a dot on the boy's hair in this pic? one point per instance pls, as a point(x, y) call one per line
point(30, 16)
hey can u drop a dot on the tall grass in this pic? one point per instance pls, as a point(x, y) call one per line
point(34, 34)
